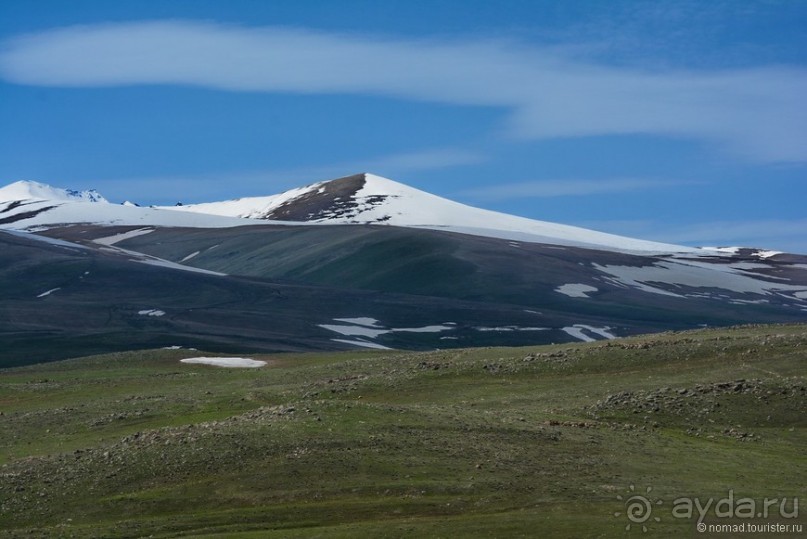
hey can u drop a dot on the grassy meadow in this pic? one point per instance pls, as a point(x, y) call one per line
point(542, 441)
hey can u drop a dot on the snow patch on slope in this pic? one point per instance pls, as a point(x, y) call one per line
point(236, 362)
point(363, 344)
point(112, 240)
point(694, 274)
point(577, 331)
point(49, 292)
point(360, 321)
point(373, 330)
point(576, 290)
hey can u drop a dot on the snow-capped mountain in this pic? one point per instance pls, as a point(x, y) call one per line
point(371, 199)
point(357, 199)
point(435, 273)
point(364, 199)
point(30, 190)
point(33, 206)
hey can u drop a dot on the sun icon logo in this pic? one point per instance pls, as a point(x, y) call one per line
point(638, 508)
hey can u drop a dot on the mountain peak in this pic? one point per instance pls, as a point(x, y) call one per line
point(31, 190)
point(357, 199)
point(368, 199)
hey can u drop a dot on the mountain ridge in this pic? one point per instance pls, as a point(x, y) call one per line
point(370, 199)
point(33, 190)
point(359, 199)
point(348, 251)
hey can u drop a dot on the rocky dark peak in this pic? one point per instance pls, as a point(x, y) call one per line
point(336, 198)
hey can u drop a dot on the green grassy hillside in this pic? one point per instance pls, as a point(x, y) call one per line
point(492, 442)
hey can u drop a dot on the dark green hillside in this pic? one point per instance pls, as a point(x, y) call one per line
point(496, 442)
point(455, 266)
point(59, 302)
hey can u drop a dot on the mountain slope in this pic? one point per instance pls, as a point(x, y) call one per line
point(61, 299)
point(624, 287)
point(261, 284)
point(370, 199)
point(32, 212)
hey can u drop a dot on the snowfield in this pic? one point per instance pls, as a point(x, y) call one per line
point(577, 331)
point(232, 362)
point(29, 190)
point(576, 290)
point(49, 292)
point(671, 270)
point(33, 206)
point(112, 240)
point(387, 202)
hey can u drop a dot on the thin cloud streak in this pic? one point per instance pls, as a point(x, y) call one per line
point(568, 187)
point(754, 113)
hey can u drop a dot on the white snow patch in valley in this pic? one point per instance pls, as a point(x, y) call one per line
point(509, 328)
point(361, 321)
point(190, 256)
point(630, 275)
point(172, 265)
point(364, 344)
point(425, 329)
point(576, 290)
point(576, 331)
point(350, 331)
point(694, 274)
point(151, 312)
point(370, 328)
point(802, 294)
point(112, 240)
point(236, 362)
point(49, 292)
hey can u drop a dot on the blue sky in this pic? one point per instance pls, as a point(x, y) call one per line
point(679, 121)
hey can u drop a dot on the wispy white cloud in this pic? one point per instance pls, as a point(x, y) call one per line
point(568, 187)
point(756, 113)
